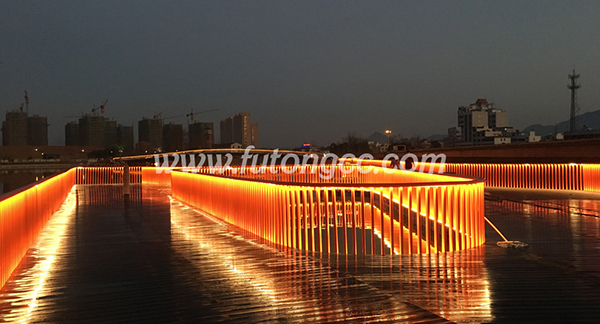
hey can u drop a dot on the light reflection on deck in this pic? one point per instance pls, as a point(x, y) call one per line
point(286, 286)
point(29, 285)
point(158, 260)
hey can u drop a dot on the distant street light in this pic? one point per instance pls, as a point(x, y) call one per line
point(388, 133)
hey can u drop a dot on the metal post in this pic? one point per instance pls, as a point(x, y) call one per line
point(126, 188)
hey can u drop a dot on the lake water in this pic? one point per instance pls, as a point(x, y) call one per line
point(17, 178)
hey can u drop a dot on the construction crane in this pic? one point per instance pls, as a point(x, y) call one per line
point(159, 116)
point(101, 107)
point(192, 114)
point(26, 103)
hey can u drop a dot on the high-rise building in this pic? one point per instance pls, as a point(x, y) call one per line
point(226, 127)
point(125, 137)
point(98, 131)
point(92, 131)
point(72, 134)
point(201, 135)
point(14, 129)
point(110, 133)
point(239, 129)
point(37, 130)
point(173, 137)
point(481, 123)
point(19, 129)
point(151, 132)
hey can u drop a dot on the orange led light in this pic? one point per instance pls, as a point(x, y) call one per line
point(405, 212)
point(24, 214)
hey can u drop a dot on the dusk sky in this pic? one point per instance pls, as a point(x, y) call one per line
point(306, 70)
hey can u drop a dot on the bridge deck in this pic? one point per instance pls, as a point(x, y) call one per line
point(156, 260)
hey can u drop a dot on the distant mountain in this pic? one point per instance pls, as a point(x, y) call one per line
point(377, 137)
point(589, 119)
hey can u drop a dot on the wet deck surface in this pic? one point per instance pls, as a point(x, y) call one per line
point(155, 260)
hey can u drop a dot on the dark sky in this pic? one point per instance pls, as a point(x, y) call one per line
point(305, 70)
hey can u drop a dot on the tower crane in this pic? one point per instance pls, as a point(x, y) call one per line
point(26, 102)
point(159, 116)
point(192, 114)
point(101, 107)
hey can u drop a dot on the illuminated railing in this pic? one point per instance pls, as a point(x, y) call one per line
point(156, 176)
point(351, 213)
point(331, 209)
point(348, 173)
point(561, 176)
point(590, 175)
point(532, 176)
point(107, 175)
point(24, 213)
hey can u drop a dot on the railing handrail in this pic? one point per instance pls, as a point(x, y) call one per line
point(468, 180)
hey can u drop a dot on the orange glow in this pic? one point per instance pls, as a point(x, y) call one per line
point(356, 210)
point(560, 176)
point(24, 214)
point(106, 175)
point(46, 248)
point(590, 176)
point(408, 212)
point(156, 176)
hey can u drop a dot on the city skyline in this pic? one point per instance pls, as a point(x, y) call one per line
point(305, 71)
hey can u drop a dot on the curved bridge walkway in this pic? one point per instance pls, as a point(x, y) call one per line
point(155, 260)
